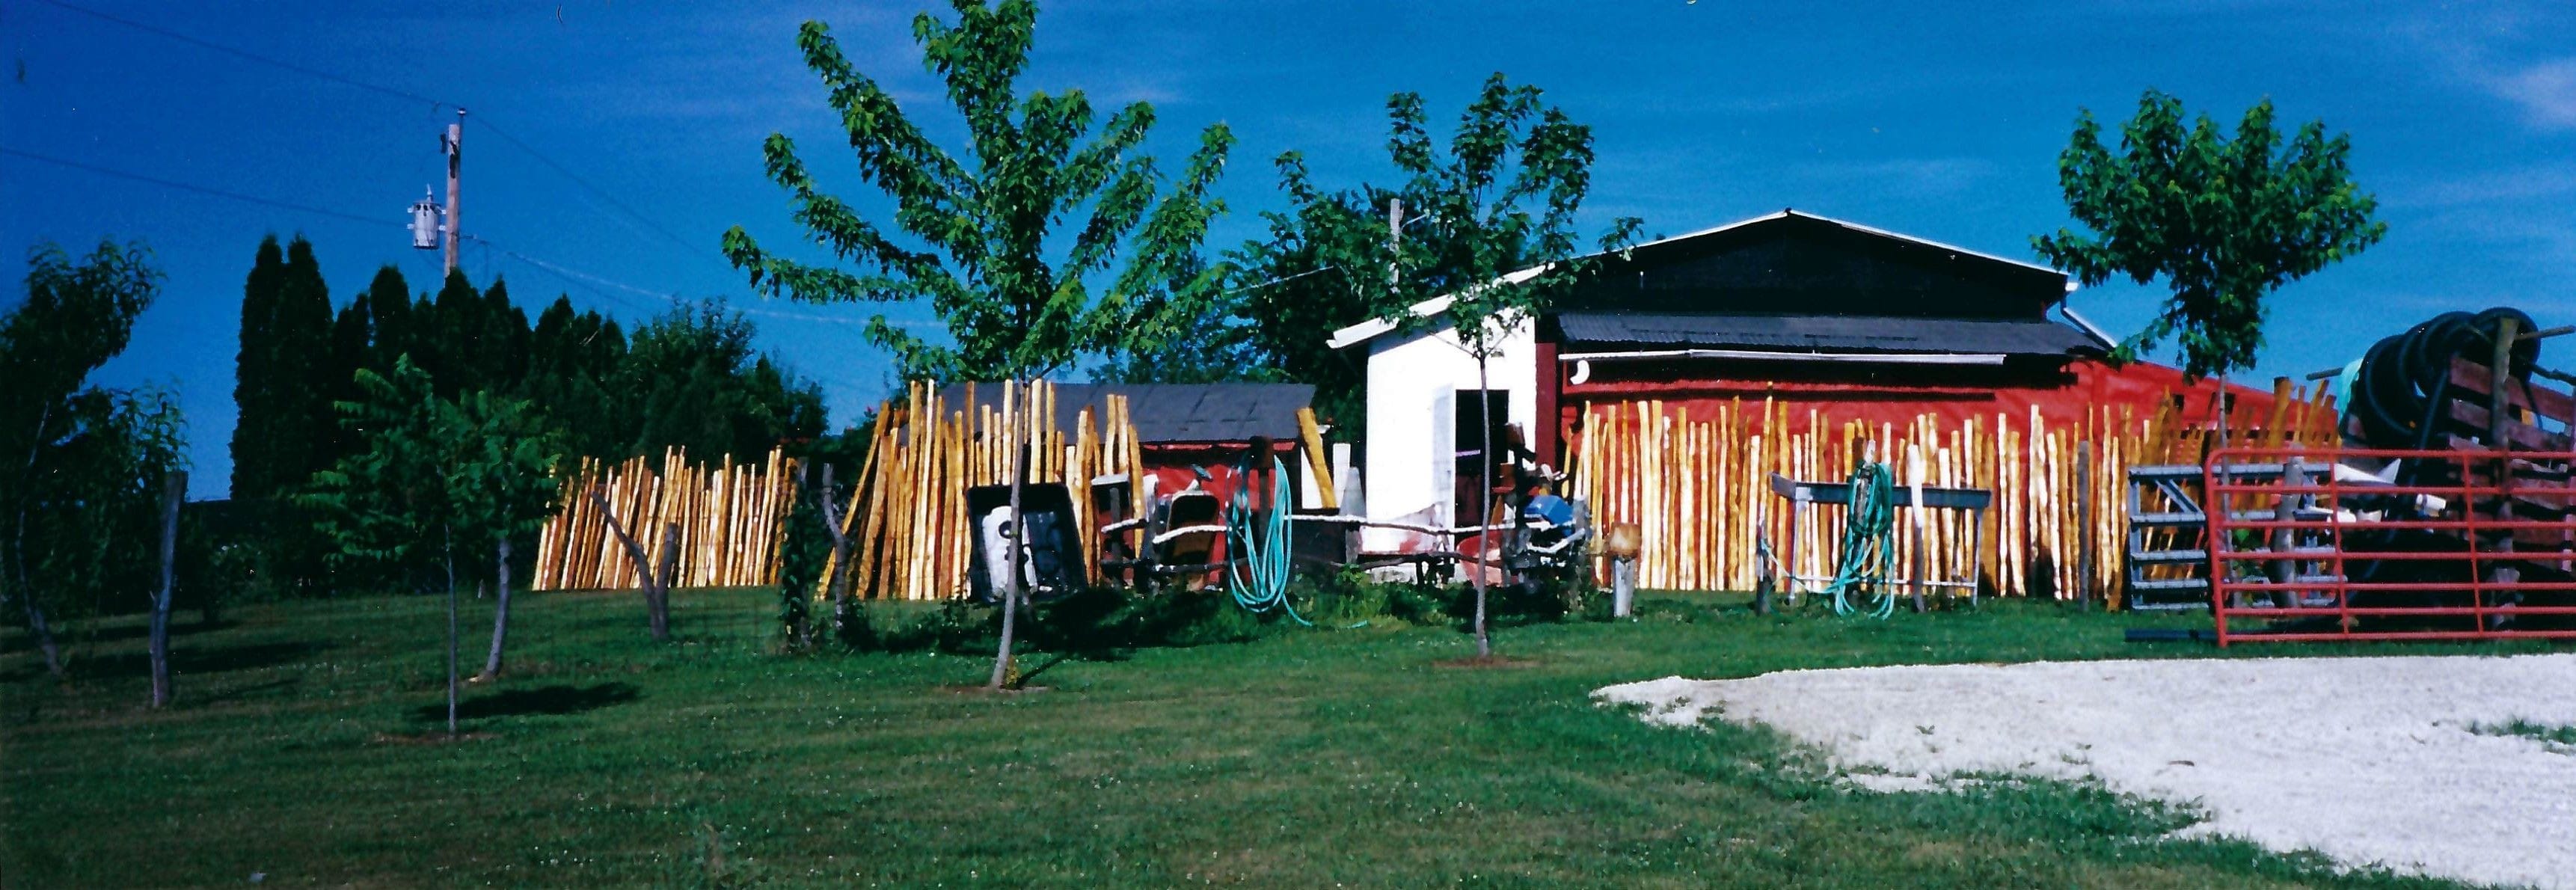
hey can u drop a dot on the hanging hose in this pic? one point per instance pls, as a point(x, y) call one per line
point(1257, 560)
point(1869, 545)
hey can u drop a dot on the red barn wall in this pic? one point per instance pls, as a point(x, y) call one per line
point(1897, 394)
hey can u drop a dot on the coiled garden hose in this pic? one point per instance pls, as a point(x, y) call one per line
point(1257, 550)
point(1869, 546)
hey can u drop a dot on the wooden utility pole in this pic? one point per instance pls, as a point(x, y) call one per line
point(455, 145)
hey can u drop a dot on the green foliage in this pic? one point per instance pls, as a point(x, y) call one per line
point(439, 482)
point(81, 468)
point(574, 359)
point(1006, 242)
point(2225, 221)
point(1500, 197)
point(692, 378)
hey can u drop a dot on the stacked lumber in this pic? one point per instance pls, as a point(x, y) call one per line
point(907, 524)
point(1696, 486)
point(729, 518)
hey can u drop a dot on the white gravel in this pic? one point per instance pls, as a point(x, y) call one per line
point(2369, 761)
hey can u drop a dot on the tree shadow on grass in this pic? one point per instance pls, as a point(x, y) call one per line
point(556, 700)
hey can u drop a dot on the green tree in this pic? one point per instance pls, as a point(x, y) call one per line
point(1005, 243)
point(83, 494)
point(439, 481)
point(280, 372)
point(693, 378)
point(2225, 221)
point(1488, 241)
point(502, 484)
point(573, 366)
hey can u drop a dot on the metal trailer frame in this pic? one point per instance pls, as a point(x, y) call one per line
point(1801, 494)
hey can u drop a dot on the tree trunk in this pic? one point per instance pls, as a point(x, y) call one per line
point(175, 489)
point(37, 626)
point(835, 592)
point(648, 575)
point(500, 614)
point(44, 633)
point(1484, 504)
point(450, 554)
point(657, 589)
point(1011, 587)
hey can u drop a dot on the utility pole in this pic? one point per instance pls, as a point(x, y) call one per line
point(455, 145)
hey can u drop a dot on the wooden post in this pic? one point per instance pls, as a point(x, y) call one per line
point(2499, 416)
point(2084, 511)
point(173, 489)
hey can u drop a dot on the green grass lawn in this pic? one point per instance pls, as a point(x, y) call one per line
point(1305, 758)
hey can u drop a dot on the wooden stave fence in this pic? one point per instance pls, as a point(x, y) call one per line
point(1716, 469)
point(906, 522)
point(731, 520)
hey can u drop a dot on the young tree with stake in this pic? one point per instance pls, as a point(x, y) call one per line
point(1488, 242)
point(1006, 242)
point(434, 478)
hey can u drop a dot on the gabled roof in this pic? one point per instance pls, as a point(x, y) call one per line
point(2001, 287)
point(1173, 413)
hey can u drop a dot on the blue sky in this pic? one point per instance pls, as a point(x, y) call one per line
point(1909, 116)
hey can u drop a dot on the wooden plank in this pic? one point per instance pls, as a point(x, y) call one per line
point(2472, 377)
point(2523, 436)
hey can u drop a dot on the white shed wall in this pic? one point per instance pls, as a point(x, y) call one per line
point(1412, 385)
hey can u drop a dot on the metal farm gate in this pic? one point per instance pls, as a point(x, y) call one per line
point(2391, 544)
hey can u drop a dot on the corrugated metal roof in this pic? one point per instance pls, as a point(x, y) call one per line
point(1792, 333)
point(1171, 413)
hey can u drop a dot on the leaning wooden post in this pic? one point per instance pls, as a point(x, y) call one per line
point(173, 490)
point(2084, 518)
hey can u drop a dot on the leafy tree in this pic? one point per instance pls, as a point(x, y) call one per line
point(438, 481)
point(693, 379)
point(501, 484)
point(384, 507)
point(88, 462)
point(2225, 221)
point(1489, 241)
point(1005, 243)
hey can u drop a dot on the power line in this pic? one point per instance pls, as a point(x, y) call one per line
point(595, 191)
point(486, 124)
point(593, 282)
point(246, 54)
point(203, 190)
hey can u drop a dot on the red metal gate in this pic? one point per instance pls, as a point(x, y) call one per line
point(2387, 544)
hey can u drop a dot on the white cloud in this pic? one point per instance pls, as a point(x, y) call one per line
point(2546, 92)
point(1916, 177)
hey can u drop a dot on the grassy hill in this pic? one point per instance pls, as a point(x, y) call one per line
point(305, 748)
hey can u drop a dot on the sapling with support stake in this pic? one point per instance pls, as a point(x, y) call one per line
point(1495, 246)
point(1007, 242)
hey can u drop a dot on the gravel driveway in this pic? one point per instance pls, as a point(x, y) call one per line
point(2367, 760)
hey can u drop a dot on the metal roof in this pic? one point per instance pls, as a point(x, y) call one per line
point(1372, 328)
point(1794, 333)
point(1174, 413)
